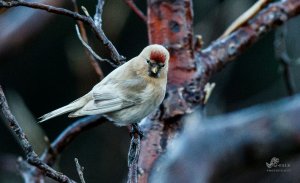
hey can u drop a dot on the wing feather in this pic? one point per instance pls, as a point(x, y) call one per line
point(110, 97)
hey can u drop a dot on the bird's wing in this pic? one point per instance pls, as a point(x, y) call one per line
point(111, 97)
point(111, 101)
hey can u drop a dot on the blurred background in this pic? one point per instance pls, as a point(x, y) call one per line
point(43, 66)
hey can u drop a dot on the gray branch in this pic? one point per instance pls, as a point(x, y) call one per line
point(31, 157)
point(213, 147)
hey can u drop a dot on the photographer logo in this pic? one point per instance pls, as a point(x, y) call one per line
point(276, 166)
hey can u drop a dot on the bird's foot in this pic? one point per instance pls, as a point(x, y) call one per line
point(135, 129)
point(134, 150)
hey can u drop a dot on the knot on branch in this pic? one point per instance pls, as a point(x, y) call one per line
point(193, 92)
point(274, 15)
point(174, 103)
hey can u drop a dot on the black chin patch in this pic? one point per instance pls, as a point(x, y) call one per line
point(154, 75)
point(151, 73)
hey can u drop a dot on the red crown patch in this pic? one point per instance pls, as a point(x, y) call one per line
point(158, 56)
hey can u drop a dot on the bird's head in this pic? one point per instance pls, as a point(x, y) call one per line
point(155, 59)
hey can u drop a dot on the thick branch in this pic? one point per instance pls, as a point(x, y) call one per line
point(223, 51)
point(170, 24)
point(246, 16)
point(31, 157)
point(232, 143)
point(86, 19)
point(197, 67)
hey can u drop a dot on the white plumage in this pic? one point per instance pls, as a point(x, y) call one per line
point(127, 94)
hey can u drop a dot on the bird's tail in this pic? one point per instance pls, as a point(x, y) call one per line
point(68, 108)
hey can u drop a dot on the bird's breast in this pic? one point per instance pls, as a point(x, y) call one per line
point(154, 93)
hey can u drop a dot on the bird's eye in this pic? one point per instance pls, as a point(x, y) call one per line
point(148, 61)
point(162, 65)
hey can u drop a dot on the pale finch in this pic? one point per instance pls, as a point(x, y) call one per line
point(129, 93)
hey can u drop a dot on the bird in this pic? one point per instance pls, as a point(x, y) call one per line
point(128, 94)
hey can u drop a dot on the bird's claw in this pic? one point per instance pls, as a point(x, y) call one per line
point(135, 129)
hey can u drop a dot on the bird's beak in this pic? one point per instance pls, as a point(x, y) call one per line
point(154, 69)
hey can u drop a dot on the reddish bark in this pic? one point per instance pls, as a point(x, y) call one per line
point(170, 24)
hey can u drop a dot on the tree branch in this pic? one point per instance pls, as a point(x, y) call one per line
point(79, 170)
point(190, 69)
point(11, 37)
point(91, 51)
point(136, 10)
point(223, 51)
point(282, 56)
point(194, 68)
point(246, 16)
point(241, 140)
point(119, 59)
point(98, 23)
point(98, 14)
point(68, 135)
point(133, 157)
point(84, 39)
point(31, 157)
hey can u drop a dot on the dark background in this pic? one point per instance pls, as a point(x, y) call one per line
point(43, 66)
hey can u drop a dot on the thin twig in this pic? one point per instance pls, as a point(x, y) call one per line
point(79, 170)
point(134, 152)
point(91, 58)
point(250, 13)
point(98, 14)
point(68, 135)
point(91, 50)
point(86, 12)
point(133, 157)
point(136, 10)
point(119, 59)
point(283, 57)
point(287, 75)
point(223, 51)
point(31, 157)
point(107, 43)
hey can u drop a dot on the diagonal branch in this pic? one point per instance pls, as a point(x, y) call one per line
point(79, 170)
point(246, 16)
point(68, 135)
point(31, 157)
point(136, 10)
point(119, 59)
point(84, 39)
point(222, 145)
point(197, 66)
point(282, 56)
point(98, 14)
point(223, 51)
point(91, 51)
